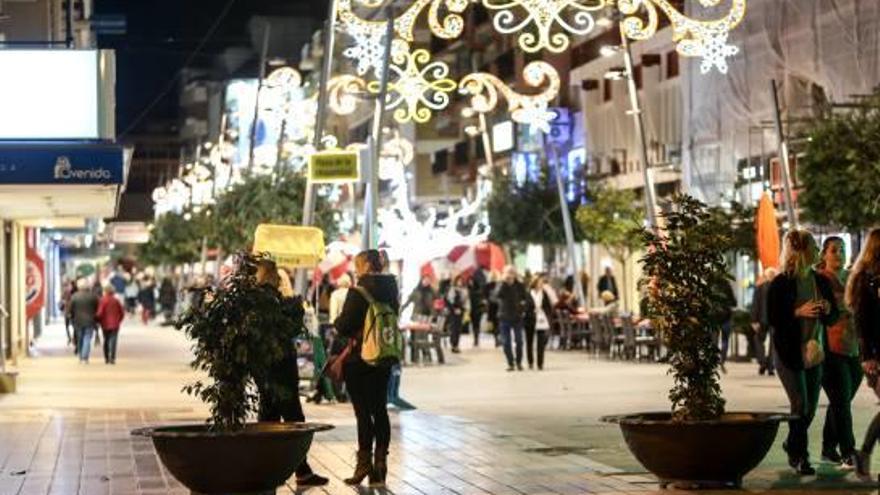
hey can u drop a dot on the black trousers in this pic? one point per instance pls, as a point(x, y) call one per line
point(368, 390)
point(279, 400)
point(543, 338)
point(455, 325)
point(476, 318)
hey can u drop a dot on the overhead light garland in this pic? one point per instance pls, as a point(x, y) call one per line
point(695, 38)
point(571, 17)
point(484, 90)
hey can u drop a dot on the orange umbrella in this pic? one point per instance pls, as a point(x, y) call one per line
point(767, 233)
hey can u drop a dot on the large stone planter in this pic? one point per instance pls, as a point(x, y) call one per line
point(257, 459)
point(700, 454)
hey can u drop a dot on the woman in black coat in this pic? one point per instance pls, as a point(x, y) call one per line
point(863, 298)
point(368, 385)
point(800, 301)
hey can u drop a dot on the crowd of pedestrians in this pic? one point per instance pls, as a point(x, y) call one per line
point(823, 320)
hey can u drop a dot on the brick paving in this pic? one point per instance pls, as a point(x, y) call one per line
point(67, 431)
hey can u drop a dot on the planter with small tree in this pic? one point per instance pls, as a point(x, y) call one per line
point(697, 444)
point(239, 334)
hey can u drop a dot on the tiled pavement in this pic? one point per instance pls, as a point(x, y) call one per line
point(67, 432)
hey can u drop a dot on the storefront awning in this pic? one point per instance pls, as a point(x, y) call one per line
point(46, 181)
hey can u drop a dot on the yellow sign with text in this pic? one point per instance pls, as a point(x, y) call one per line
point(334, 166)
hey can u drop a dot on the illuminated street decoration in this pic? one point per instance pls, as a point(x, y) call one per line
point(397, 153)
point(485, 91)
point(343, 93)
point(695, 38)
point(418, 86)
point(573, 17)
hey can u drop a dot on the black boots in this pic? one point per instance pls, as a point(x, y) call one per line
point(380, 468)
point(363, 468)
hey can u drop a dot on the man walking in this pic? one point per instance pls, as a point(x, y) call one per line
point(513, 301)
point(761, 324)
point(83, 311)
point(110, 316)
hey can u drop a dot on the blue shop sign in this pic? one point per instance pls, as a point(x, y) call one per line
point(62, 164)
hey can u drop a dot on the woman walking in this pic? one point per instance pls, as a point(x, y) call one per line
point(539, 321)
point(842, 371)
point(863, 298)
point(458, 304)
point(800, 302)
point(368, 385)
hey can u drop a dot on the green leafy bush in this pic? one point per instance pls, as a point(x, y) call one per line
point(685, 270)
point(240, 333)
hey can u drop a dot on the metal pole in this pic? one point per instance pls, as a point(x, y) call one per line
point(487, 141)
point(372, 203)
point(639, 121)
point(320, 120)
point(263, 55)
point(784, 157)
point(569, 230)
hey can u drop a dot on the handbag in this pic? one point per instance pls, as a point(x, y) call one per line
point(812, 350)
point(334, 367)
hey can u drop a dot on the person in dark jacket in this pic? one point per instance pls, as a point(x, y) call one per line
point(168, 298)
point(476, 290)
point(458, 304)
point(760, 320)
point(422, 298)
point(147, 299)
point(863, 299)
point(513, 302)
point(607, 283)
point(800, 302)
point(368, 385)
point(83, 311)
point(279, 392)
point(110, 315)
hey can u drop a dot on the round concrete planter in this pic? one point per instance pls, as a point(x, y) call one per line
point(700, 454)
point(257, 459)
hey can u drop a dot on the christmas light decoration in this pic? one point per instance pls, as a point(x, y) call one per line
point(485, 91)
point(695, 38)
point(571, 17)
point(418, 86)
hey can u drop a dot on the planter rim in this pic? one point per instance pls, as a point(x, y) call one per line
point(729, 418)
point(200, 430)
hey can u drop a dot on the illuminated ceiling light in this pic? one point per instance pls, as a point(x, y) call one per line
point(418, 86)
point(573, 17)
point(695, 38)
point(533, 109)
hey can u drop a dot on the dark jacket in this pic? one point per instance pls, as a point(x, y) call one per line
point(607, 283)
point(781, 305)
point(350, 322)
point(422, 298)
point(513, 301)
point(866, 315)
point(759, 312)
point(83, 309)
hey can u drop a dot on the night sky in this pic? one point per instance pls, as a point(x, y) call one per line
point(161, 35)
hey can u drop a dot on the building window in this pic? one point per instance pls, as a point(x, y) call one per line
point(606, 90)
point(462, 153)
point(672, 65)
point(440, 163)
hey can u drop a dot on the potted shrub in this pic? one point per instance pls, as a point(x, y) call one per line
point(697, 443)
point(238, 334)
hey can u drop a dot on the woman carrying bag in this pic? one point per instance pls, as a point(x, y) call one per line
point(800, 302)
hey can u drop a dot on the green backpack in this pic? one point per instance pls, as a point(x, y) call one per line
point(383, 341)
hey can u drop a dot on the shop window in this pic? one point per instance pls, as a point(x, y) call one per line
point(672, 65)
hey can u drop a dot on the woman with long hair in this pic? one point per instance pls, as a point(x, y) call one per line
point(279, 391)
point(863, 298)
point(800, 302)
point(842, 371)
point(368, 385)
point(541, 312)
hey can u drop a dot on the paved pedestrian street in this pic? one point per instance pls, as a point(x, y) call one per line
point(478, 429)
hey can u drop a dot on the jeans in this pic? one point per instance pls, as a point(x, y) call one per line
point(455, 323)
point(762, 352)
point(368, 389)
point(512, 331)
point(110, 338)
point(85, 343)
point(841, 378)
point(394, 384)
point(802, 388)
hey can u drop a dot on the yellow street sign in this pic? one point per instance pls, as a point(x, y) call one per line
point(290, 246)
point(334, 166)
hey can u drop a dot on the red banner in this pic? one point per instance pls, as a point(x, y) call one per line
point(35, 283)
